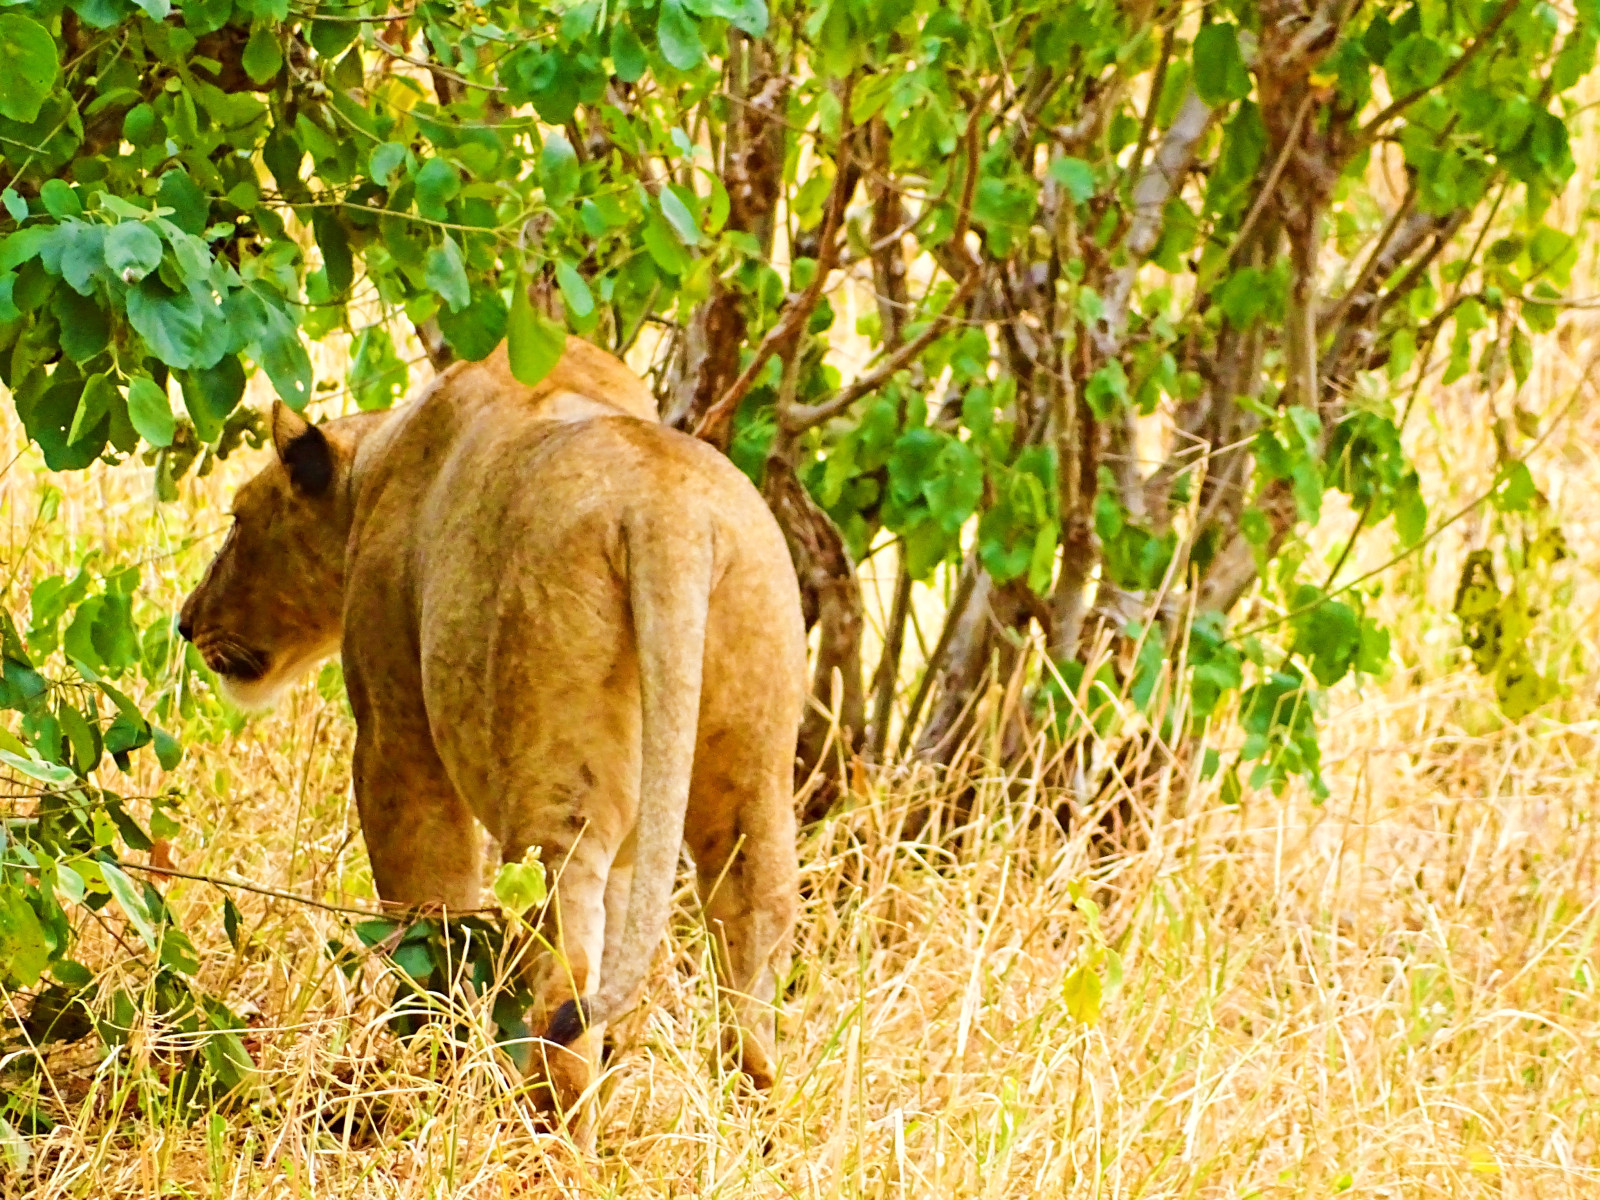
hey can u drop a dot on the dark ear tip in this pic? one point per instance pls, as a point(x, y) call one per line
point(309, 461)
point(569, 1024)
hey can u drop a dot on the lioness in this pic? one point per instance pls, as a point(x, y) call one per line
point(564, 621)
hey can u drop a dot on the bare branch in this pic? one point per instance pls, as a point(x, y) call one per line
point(1160, 179)
point(800, 307)
point(800, 417)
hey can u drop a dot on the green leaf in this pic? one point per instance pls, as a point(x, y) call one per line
point(191, 208)
point(1107, 389)
point(263, 57)
point(211, 394)
point(24, 951)
point(445, 271)
point(534, 343)
point(383, 161)
point(159, 10)
point(29, 54)
point(377, 376)
point(169, 751)
point(558, 170)
point(1219, 70)
point(749, 16)
point(180, 331)
point(93, 406)
point(150, 411)
point(131, 901)
point(437, 183)
point(14, 204)
point(1516, 491)
point(679, 36)
point(679, 217)
point(1075, 175)
point(334, 243)
point(574, 290)
point(477, 329)
point(520, 886)
point(132, 250)
point(627, 53)
point(1080, 992)
point(283, 357)
point(60, 201)
point(55, 776)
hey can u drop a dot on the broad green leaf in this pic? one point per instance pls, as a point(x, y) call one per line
point(558, 170)
point(28, 53)
point(627, 53)
point(263, 57)
point(384, 160)
point(1107, 390)
point(211, 394)
point(131, 902)
point(24, 952)
point(44, 772)
point(93, 406)
point(190, 206)
point(334, 243)
point(574, 289)
point(475, 331)
point(534, 343)
point(60, 201)
point(283, 357)
point(750, 16)
point(377, 376)
point(679, 36)
point(132, 250)
point(1219, 71)
point(680, 217)
point(445, 271)
point(180, 330)
point(1075, 175)
point(1080, 992)
point(437, 183)
point(169, 751)
point(150, 411)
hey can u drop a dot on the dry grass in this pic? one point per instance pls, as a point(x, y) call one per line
point(1393, 993)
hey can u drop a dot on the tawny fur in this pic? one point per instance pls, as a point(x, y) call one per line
point(560, 622)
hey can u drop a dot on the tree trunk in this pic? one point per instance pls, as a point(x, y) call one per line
point(831, 596)
point(753, 174)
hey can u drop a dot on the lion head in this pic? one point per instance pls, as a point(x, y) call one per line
point(271, 602)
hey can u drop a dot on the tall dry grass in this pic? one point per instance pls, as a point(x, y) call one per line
point(1392, 993)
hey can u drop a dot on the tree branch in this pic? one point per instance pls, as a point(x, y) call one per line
point(1160, 179)
point(800, 307)
point(800, 417)
point(1370, 130)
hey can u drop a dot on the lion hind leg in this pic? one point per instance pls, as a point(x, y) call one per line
point(567, 1056)
point(749, 896)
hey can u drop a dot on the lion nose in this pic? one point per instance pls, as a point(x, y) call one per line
point(186, 629)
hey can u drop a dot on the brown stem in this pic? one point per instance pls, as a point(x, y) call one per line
point(886, 679)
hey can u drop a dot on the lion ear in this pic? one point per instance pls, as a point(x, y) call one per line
point(302, 449)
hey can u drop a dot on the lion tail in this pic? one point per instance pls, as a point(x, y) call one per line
point(669, 580)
